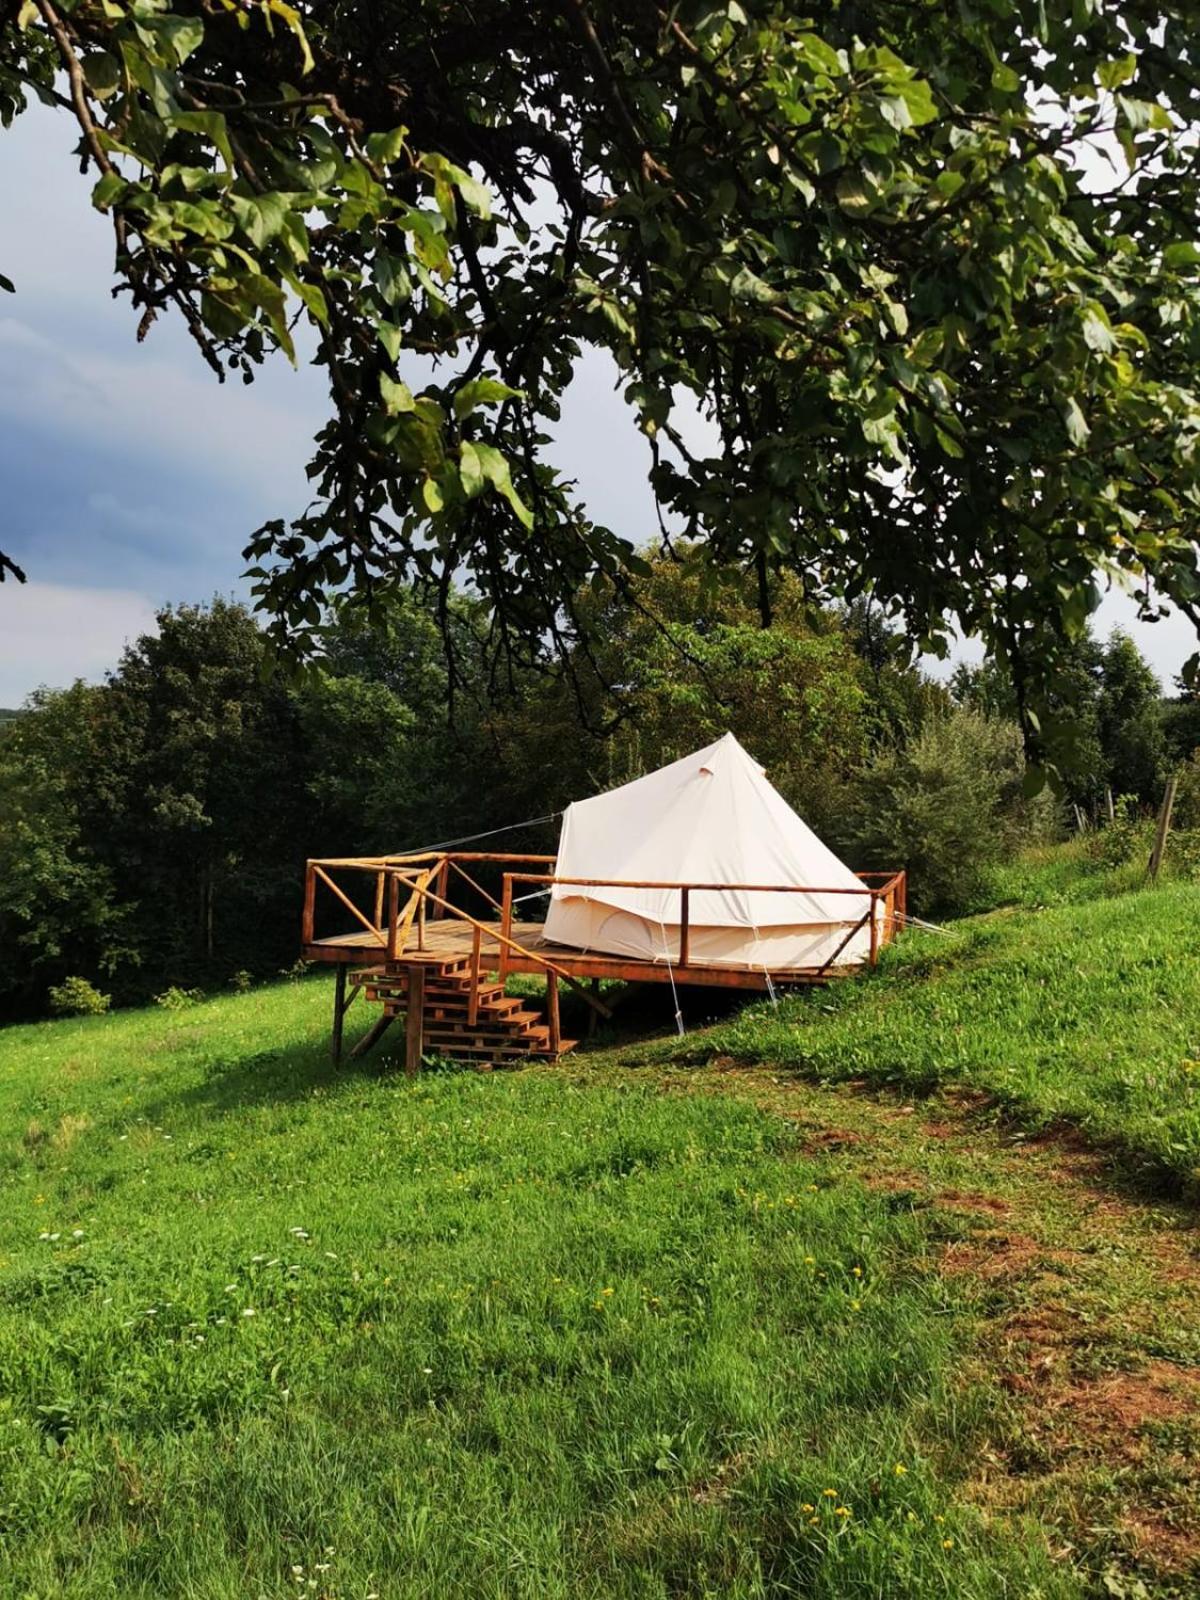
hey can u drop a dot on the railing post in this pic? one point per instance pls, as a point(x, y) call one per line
point(443, 883)
point(310, 903)
point(393, 913)
point(506, 900)
point(874, 926)
point(414, 1020)
point(685, 895)
point(379, 877)
point(473, 998)
point(552, 1013)
point(421, 918)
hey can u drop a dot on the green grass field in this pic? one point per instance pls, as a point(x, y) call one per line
point(1087, 1009)
point(639, 1325)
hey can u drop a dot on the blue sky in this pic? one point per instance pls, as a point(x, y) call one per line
point(130, 478)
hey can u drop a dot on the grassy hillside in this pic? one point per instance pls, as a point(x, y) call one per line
point(1088, 1009)
point(689, 1330)
point(264, 1331)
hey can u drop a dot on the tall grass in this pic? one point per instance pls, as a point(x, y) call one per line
point(269, 1331)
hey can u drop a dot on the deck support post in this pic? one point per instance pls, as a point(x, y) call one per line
point(307, 929)
point(552, 1014)
point(414, 1020)
point(339, 1013)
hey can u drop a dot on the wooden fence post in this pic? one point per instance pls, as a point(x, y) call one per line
point(685, 931)
point(414, 1020)
point(1164, 826)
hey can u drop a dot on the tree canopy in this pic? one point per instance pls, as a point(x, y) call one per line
point(943, 366)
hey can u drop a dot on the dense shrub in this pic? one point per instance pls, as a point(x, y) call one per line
point(946, 805)
point(76, 997)
point(1124, 836)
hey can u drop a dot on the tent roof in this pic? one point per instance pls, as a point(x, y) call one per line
point(711, 817)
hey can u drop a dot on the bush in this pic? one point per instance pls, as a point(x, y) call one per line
point(1119, 841)
point(76, 997)
point(241, 982)
point(946, 806)
point(177, 999)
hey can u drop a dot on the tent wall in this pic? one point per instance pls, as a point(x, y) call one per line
point(591, 925)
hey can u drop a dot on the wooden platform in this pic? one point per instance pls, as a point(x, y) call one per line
point(451, 939)
point(416, 951)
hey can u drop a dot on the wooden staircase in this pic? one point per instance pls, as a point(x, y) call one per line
point(504, 1029)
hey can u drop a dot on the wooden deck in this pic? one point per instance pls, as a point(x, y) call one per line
point(417, 952)
point(452, 940)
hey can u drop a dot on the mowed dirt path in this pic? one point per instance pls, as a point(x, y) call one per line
point(1086, 1299)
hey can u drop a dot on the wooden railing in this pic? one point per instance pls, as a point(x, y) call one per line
point(409, 891)
point(390, 934)
point(886, 908)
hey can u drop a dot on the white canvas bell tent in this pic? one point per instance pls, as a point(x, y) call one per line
point(710, 818)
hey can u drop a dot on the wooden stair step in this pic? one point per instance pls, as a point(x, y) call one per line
point(496, 1053)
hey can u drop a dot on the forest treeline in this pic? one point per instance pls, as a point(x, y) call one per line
point(154, 827)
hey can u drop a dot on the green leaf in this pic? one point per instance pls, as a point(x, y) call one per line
point(477, 195)
point(432, 495)
point(1005, 78)
point(853, 195)
point(391, 279)
point(397, 396)
point(482, 392)
point(390, 337)
point(210, 123)
point(1112, 74)
point(314, 300)
point(496, 471)
point(748, 286)
point(260, 216)
point(1183, 253)
point(918, 97)
point(292, 17)
point(819, 55)
point(1097, 331)
point(107, 189)
point(102, 72)
point(185, 35)
point(470, 469)
point(1076, 423)
point(384, 148)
